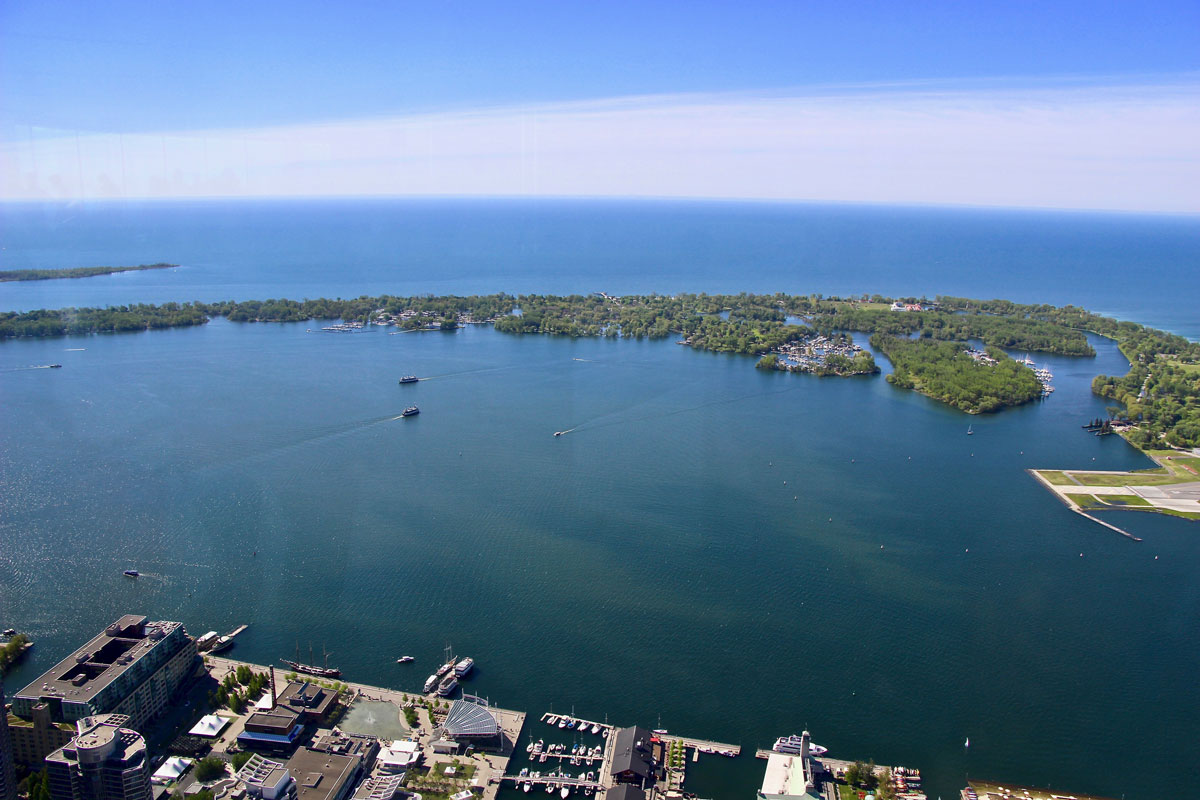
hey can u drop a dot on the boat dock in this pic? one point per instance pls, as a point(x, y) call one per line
point(704, 746)
point(580, 723)
point(555, 782)
point(237, 630)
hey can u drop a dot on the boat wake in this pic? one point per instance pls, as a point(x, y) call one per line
point(593, 425)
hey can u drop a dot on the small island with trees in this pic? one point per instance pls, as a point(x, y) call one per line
point(72, 272)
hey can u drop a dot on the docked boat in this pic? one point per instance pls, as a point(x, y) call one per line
point(792, 745)
point(563, 792)
point(222, 643)
point(309, 669)
point(562, 722)
point(464, 666)
point(206, 641)
point(431, 683)
point(409, 379)
point(411, 411)
point(131, 573)
point(595, 727)
point(447, 686)
point(405, 659)
point(527, 787)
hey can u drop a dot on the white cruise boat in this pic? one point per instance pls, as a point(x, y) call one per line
point(464, 666)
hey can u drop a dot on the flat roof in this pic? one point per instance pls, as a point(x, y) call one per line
point(786, 776)
point(321, 776)
point(279, 720)
point(83, 674)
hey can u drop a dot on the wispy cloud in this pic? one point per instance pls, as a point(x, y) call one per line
point(1105, 147)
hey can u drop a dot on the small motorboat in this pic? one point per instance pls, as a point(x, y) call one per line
point(131, 573)
point(405, 659)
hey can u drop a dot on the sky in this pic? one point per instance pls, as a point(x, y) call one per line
point(1047, 104)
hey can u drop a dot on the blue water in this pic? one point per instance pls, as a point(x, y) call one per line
point(907, 587)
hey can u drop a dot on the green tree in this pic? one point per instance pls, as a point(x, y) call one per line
point(209, 768)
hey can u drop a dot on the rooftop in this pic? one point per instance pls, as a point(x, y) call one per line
point(787, 776)
point(383, 787)
point(632, 752)
point(467, 720)
point(82, 675)
point(321, 776)
point(259, 771)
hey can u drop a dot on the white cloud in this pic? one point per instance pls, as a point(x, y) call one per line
point(1127, 147)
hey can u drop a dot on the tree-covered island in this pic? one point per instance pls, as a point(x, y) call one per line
point(926, 341)
point(72, 272)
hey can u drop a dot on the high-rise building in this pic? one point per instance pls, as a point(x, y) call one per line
point(105, 761)
point(132, 667)
point(8, 773)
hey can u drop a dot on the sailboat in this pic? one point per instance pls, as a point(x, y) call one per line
point(969, 431)
point(308, 669)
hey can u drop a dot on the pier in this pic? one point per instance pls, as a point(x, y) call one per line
point(704, 746)
point(237, 630)
point(581, 725)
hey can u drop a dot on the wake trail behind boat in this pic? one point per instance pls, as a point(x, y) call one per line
point(591, 426)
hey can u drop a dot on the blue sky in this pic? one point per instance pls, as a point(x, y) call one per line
point(240, 72)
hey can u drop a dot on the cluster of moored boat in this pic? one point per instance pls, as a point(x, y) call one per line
point(343, 327)
point(539, 751)
point(564, 789)
point(571, 723)
point(445, 680)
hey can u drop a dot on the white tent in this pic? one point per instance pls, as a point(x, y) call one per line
point(209, 726)
point(171, 769)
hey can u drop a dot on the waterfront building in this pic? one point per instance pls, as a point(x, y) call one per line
point(8, 769)
point(310, 701)
point(637, 757)
point(276, 730)
point(472, 723)
point(37, 737)
point(625, 791)
point(133, 667)
point(265, 779)
point(789, 777)
point(106, 760)
point(324, 776)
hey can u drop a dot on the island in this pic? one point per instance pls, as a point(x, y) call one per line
point(72, 272)
point(931, 343)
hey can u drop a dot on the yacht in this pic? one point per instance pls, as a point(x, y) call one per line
point(595, 727)
point(131, 573)
point(447, 686)
point(405, 659)
point(562, 722)
point(222, 643)
point(430, 683)
point(409, 379)
point(792, 745)
point(464, 666)
point(411, 411)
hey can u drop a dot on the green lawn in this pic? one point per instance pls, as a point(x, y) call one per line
point(1057, 477)
point(1122, 500)
point(1156, 478)
point(1086, 501)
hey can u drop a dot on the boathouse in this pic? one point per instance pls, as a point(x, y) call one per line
point(635, 760)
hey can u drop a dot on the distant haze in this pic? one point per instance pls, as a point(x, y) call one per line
point(1127, 147)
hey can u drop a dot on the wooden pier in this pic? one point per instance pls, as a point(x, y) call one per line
point(237, 630)
point(704, 746)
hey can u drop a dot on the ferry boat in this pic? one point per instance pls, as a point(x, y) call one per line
point(409, 379)
point(222, 643)
point(405, 659)
point(792, 745)
point(131, 573)
point(411, 411)
point(447, 686)
point(431, 683)
point(464, 666)
point(207, 640)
